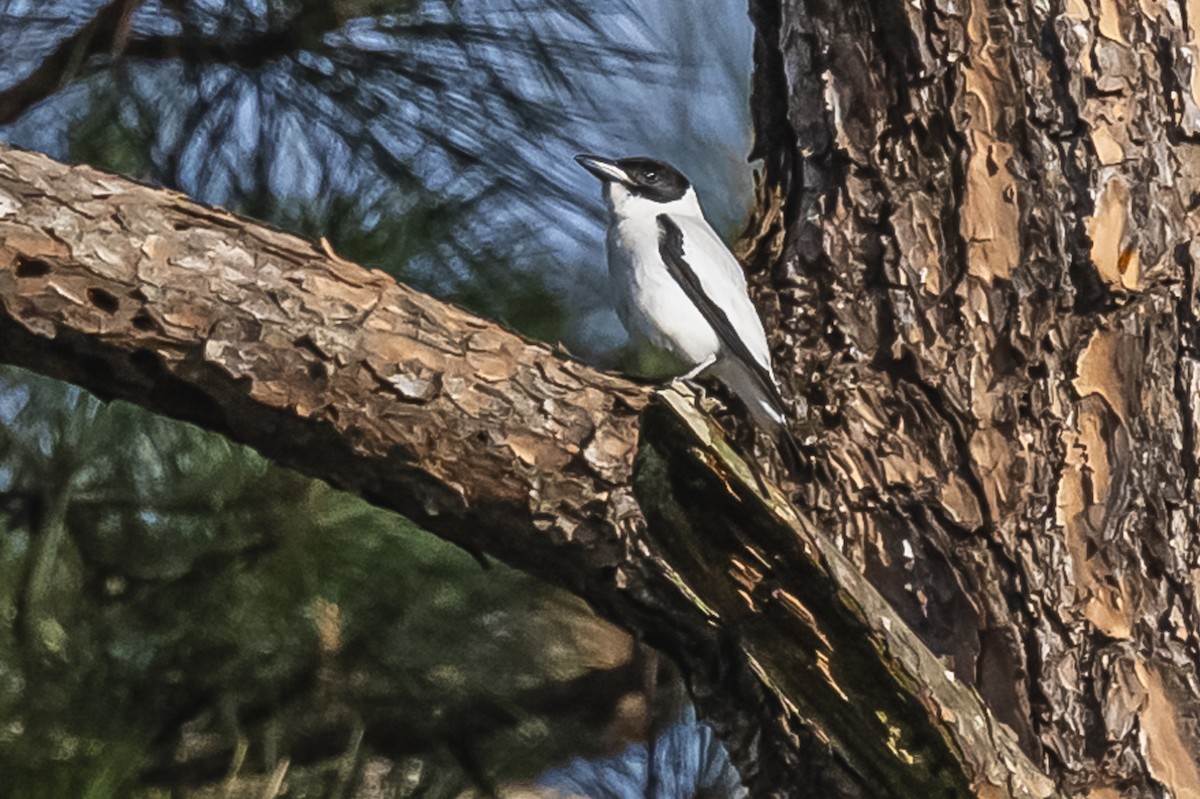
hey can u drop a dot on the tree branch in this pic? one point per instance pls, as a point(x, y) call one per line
point(141, 295)
point(505, 447)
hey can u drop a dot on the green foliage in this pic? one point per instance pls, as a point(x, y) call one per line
point(149, 570)
point(113, 136)
point(520, 300)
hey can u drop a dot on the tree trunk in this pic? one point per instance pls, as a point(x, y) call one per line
point(976, 230)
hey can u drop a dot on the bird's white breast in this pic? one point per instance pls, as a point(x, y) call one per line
point(650, 303)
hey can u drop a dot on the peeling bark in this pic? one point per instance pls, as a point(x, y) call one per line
point(976, 237)
point(849, 674)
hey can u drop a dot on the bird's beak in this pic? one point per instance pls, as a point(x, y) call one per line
point(603, 168)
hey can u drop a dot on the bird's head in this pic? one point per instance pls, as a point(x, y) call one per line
point(638, 178)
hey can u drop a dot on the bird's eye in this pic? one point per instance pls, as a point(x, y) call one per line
point(650, 176)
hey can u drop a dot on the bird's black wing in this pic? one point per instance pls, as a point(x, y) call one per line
point(670, 247)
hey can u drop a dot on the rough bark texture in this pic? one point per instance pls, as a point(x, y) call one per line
point(505, 447)
point(850, 676)
point(261, 336)
point(976, 229)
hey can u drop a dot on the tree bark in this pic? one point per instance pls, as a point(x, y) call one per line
point(504, 447)
point(976, 238)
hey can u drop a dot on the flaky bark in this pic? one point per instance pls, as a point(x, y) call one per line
point(507, 448)
point(265, 338)
point(978, 220)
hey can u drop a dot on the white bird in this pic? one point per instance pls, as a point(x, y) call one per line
point(680, 289)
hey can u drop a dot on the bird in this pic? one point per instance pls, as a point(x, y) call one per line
point(682, 291)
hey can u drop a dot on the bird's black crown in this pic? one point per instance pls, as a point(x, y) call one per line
point(644, 177)
point(653, 179)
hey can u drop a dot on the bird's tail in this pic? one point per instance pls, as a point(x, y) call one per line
point(789, 451)
point(770, 418)
point(763, 401)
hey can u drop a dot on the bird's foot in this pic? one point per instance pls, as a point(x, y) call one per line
point(697, 369)
point(703, 401)
point(684, 385)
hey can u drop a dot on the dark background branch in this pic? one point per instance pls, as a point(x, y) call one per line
point(106, 33)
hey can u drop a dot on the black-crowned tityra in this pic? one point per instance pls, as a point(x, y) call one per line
point(680, 289)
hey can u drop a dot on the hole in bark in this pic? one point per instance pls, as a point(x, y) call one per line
point(1025, 406)
point(1092, 294)
point(103, 300)
point(32, 267)
point(1006, 359)
point(251, 329)
point(305, 342)
point(144, 321)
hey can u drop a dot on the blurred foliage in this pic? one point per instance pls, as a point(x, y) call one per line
point(155, 576)
point(444, 128)
point(177, 616)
